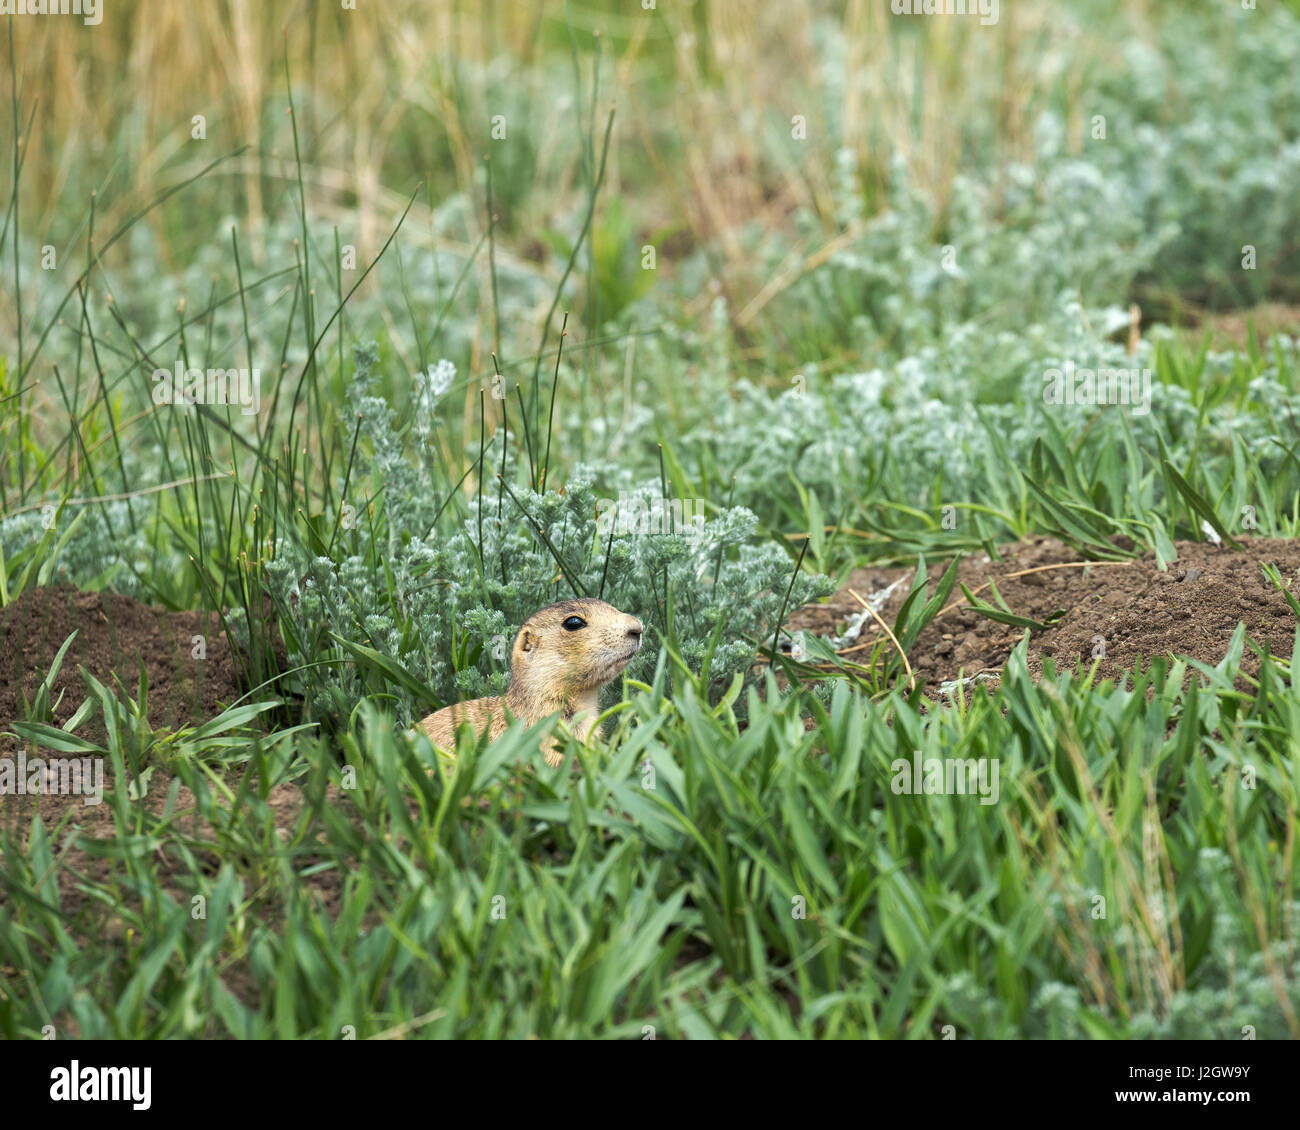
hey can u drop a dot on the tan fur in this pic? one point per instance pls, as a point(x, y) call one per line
point(551, 669)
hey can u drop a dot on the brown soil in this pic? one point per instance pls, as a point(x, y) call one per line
point(1136, 610)
point(1231, 328)
point(115, 635)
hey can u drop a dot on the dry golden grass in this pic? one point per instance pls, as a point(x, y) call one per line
point(704, 97)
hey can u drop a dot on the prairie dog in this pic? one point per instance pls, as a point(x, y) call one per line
point(562, 656)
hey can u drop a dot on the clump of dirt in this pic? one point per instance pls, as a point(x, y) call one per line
point(191, 673)
point(1121, 612)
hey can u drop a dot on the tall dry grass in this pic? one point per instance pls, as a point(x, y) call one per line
point(392, 93)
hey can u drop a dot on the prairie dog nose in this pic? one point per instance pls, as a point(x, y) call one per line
point(635, 629)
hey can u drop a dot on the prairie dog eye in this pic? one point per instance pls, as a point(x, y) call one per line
point(573, 623)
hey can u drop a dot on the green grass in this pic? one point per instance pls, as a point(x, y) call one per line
point(707, 879)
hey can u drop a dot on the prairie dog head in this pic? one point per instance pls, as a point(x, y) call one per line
point(573, 646)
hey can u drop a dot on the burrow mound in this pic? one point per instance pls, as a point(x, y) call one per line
point(115, 635)
point(1131, 609)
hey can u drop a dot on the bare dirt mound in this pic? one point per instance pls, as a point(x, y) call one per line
point(115, 635)
point(1131, 609)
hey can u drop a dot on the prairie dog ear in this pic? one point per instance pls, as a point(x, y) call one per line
point(527, 641)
